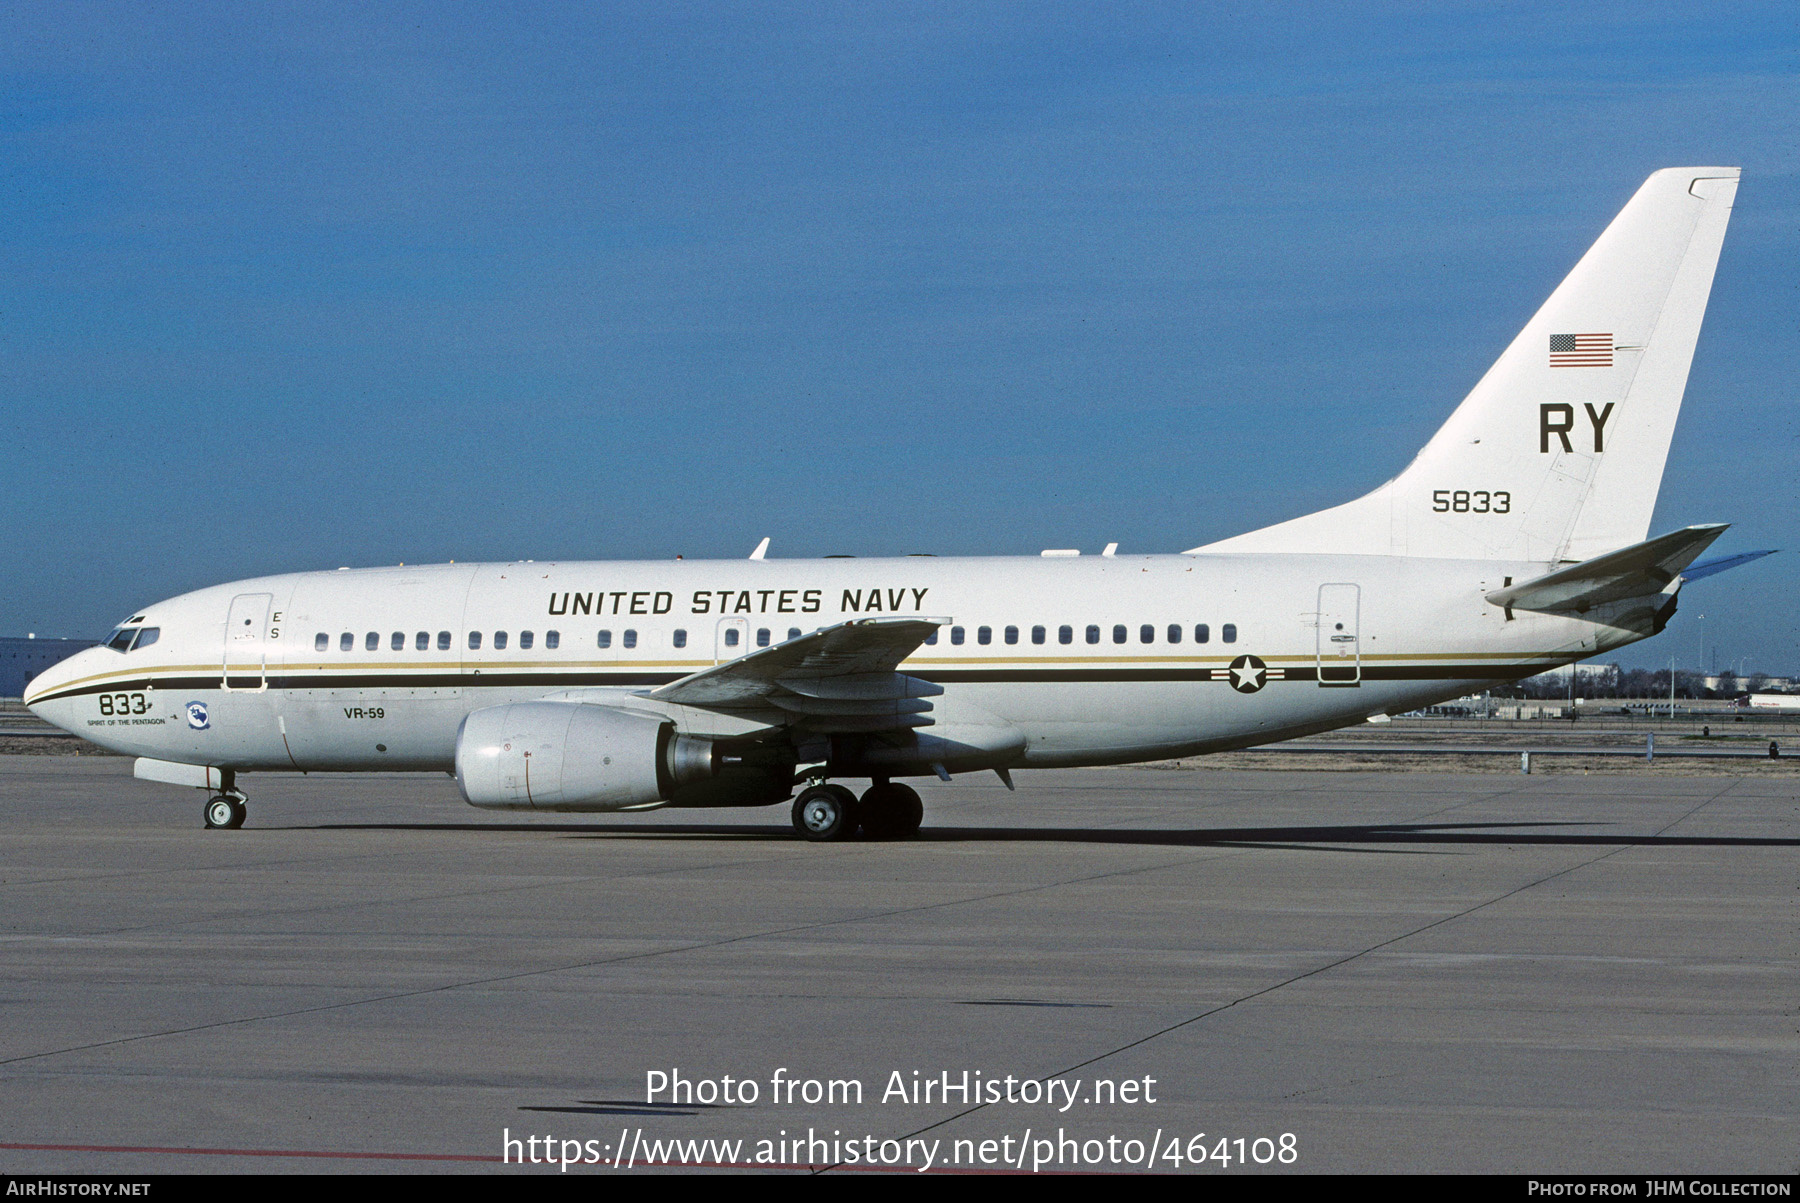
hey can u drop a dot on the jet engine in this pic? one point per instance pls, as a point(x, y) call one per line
point(576, 756)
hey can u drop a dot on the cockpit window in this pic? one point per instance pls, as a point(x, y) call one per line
point(123, 639)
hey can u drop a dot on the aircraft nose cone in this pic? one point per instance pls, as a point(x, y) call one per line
point(38, 686)
point(40, 690)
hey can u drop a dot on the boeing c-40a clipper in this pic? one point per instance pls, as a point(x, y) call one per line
point(1516, 541)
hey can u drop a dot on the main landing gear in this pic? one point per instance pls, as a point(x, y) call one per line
point(891, 812)
point(826, 812)
point(886, 811)
point(226, 811)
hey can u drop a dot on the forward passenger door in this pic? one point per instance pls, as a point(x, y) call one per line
point(247, 626)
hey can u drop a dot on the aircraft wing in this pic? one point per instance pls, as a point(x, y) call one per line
point(1641, 570)
point(841, 678)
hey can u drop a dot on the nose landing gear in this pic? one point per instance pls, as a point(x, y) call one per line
point(225, 811)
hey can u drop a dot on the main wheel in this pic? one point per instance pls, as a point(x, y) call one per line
point(826, 812)
point(891, 811)
point(225, 812)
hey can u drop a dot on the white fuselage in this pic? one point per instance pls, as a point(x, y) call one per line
point(376, 668)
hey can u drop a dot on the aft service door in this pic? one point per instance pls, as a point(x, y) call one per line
point(1340, 644)
point(247, 631)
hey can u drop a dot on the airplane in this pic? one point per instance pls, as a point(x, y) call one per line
point(1516, 541)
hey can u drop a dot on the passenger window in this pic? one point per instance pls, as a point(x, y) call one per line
point(422, 641)
point(793, 632)
point(1174, 632)
point(630, 638)
point(1012, 634)
point(931, 639)
point(762, 637)
point(552, 640)
point(397, 641)
point(1065, 634)
point(372, 641)
point(604, 639)
point(146, 637)
point(321, 642)
point(1228, 632)
point(984, 635)
point(499, 641)
point(731, 636)
point(1119, 633)
point(680, 637)
point(1093, 633)
point(1202, 633)
point(443, 641)
point(474, 641)
point(1037, 634)
point(526, 639)
point(956, 636)
point(1146, 634)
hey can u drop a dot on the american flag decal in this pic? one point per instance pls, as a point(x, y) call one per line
point(1581, 350)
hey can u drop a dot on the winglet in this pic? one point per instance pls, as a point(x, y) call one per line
point(762, 549)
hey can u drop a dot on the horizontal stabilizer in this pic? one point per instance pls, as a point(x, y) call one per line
point(841, 678)
point(1641, 570)
point(1708, 568)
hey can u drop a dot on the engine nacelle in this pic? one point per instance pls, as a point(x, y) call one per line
point(570, 756)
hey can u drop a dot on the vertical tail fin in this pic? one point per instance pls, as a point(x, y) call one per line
point(1558, 452)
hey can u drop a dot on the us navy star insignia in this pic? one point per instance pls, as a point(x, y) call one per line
point(1247, 674)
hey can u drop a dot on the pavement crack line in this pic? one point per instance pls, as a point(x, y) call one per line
point(1325, 968)
point(550, 882)
point(623, 958)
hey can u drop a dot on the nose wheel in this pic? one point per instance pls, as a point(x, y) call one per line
point(225, 812)
point(824, 813)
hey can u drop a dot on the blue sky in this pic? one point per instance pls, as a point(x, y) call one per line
point(293, 287)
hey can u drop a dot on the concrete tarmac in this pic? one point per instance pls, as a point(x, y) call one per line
point(1403, 971)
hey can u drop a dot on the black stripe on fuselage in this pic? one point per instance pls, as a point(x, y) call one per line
point(973, 676)
point(1370, 672)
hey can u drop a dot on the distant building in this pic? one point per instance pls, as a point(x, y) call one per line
point(1529, 710)
point(23, 659)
